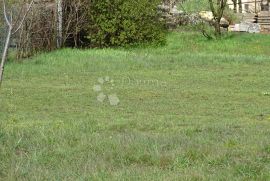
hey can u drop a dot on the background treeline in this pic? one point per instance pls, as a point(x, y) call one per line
point(89, 23)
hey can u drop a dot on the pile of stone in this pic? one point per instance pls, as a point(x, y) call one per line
point(192, 19)
point(174, 17)
point(171, 15)
point(245, 27)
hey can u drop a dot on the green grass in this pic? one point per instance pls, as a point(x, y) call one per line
point(192, 110)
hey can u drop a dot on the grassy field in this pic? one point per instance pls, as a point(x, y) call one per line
point(191, 110)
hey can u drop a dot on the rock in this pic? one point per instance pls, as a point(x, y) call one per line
point(249, 27)
point(243, 27)
point(175, 11)
point(224, 23)
point(246, 27)
point(206, 15)
point(254, 28)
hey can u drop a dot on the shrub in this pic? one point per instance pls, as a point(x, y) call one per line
point(124, 22)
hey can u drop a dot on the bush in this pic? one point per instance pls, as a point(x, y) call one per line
point(124, 22)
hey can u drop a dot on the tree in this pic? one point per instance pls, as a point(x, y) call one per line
point(218, 11)
point(59, 23)
point(240, 6)
point(13, 28)
point(234, 5)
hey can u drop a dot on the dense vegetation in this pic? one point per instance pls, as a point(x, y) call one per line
point(209, 121)
point(124, 22)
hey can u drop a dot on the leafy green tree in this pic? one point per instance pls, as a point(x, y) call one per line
point(217, 7)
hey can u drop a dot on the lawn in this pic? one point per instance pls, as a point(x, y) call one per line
point(191, 110)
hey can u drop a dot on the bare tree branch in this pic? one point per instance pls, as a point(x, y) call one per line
point(5, 13)
point(9, 22)
point(26, 13)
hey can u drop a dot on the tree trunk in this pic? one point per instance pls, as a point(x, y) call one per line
point(235, 6)
point(59, 23)
point(240, 6)
point(217, 29)
point(5, 54)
